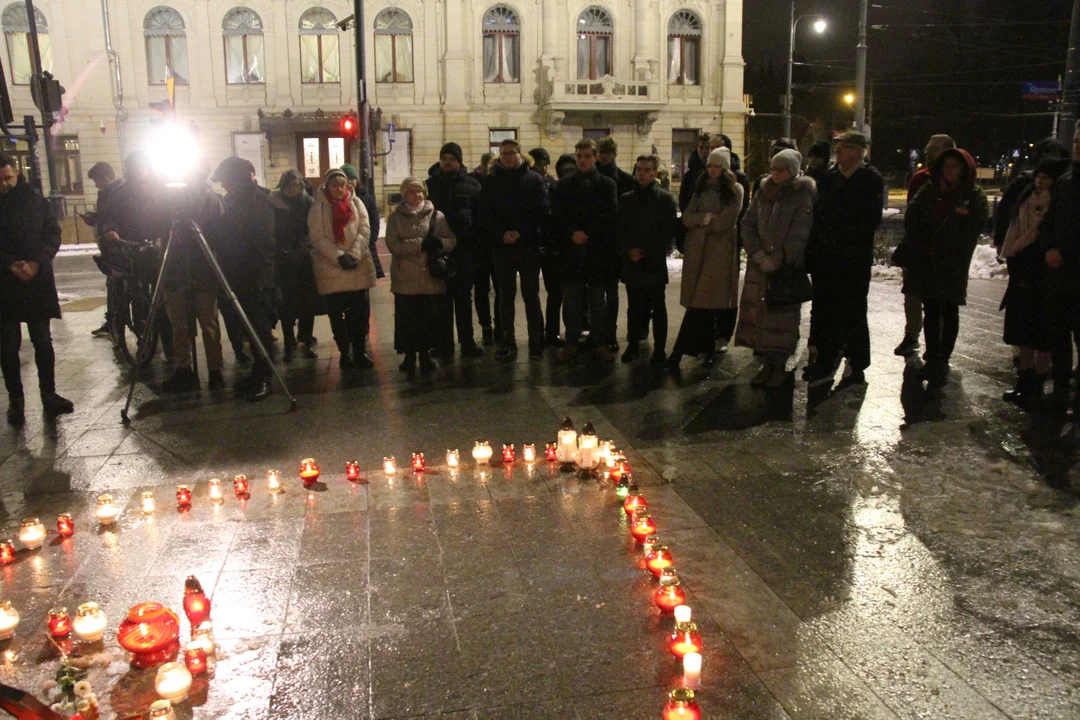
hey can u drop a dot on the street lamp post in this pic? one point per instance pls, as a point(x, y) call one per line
point(819, 27)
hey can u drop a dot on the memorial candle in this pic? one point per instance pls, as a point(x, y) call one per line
point(389, 465)
point(482, 452)
point(418, 463)
point(551, 452)
point(691, 663)
point(107, 510)
point(196, 604)
point(659, 559)
point(634, 500)
point(32, 533)
point(173, 681)
point(90, 622)
point(59, 623)
point(683, 613)
point(9, 620)
point(309, 471)
point(685, 640)
point(195, 658)
point(453, 459)
point(642, 526)
point(682, 705)
point(162, 710)
point(273, 481)
point(214, 490)
point(670, 594)
point(183, 497)
point(148, 504)
point(240, 486)
point(509, 454)
point(567, 449)
point(7, 552)
point(65, 525)
point(588, 453)
point(352, 470)
point(528, 453)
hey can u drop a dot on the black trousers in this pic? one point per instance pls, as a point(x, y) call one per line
point(839, 314)
point(350, 315)
point(645, 305)
point(508, 265)
point(301, 328)
point(485, 282)
point(725, 323)
point(553, 288)
point(234, 326)
point(461, 306)
point(257, 309)
point(1063, 316)
point(611, 297)
point(697, 333)
point(941, 325)
point(574, 297)
point(44, 357)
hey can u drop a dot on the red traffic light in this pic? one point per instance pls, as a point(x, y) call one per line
point(347, 124)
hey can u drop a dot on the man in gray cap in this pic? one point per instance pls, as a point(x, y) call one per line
point(847, 212)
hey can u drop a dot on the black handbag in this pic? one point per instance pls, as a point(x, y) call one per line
point(904, 256)
point(789, 285)
point(441, 267)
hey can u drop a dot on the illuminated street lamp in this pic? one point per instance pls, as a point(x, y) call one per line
point(820, 25)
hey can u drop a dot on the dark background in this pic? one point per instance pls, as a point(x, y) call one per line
point(934, 66)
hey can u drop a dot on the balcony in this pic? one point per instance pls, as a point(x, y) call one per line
point(609, 92)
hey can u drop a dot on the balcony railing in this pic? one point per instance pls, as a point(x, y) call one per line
point(607, 89)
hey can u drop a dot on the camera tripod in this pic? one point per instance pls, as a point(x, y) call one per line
point(145, 345)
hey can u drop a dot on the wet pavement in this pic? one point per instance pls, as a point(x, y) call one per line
point(864, 553)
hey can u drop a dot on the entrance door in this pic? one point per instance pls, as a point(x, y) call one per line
point(317, 153)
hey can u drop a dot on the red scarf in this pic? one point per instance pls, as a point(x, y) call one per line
point(342, 213)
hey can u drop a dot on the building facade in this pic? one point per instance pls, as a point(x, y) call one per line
point(271, 79)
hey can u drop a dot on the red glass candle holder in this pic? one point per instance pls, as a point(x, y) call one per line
point(509, 454)
point(658, 560)
point(7, 552)
point(240, 485)
point(670, 594)
point(418, 463)
point(551, 452)
point(684, 640)
point(150, 632)
point(352, 470)
point(65, 525)
point(634, 500)
point(642, 526)
point(183, 497)
point(59, 623)
point(195, 659)
point(196, 604)
point(682, 705)
point(309, 471)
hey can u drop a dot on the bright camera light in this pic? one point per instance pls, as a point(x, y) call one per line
point(174, 153)
point(820, 26)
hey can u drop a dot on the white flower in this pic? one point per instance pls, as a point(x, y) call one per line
point(83, 688)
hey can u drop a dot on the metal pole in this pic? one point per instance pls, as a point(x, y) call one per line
point(860, 71)
point(790, 63)
point(362, 119)
point(1071, 89)
point(31, 142)
point(56, 198)
point(116, 77)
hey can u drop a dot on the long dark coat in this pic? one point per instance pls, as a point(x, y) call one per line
point(457, 197)
point(28, 232)
point(513, 199)
point(944, 228)
point(246, 241)
point(647, 220)
point(292, 257)
point(586, 202)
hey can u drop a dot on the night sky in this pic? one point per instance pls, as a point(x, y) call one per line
point(955, 67)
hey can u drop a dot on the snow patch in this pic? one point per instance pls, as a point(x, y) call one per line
point(79, 249)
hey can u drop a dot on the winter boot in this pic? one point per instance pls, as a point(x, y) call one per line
point(487, 336)
point(54, 404)
point(763, 375)
point(1024, 381)
point(631, 352)
point(409, 363)
point(427, 365)
point(182, 380)
point(16, 409)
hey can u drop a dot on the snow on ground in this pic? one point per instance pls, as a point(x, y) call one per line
point(79, 249)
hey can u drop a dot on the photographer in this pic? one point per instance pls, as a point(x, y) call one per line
point(246, 251)
point(106, 182)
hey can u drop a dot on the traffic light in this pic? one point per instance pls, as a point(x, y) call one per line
point(350, 127)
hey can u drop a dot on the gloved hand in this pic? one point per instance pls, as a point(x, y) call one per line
point(431, 244)
point(769, 265)
point(347, 262)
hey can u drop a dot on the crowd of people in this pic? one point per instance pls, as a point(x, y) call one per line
point(807, 232)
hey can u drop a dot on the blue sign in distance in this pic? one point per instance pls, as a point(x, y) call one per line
point(391, 133)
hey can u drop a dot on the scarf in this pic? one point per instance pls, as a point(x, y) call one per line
point(1024, 230)
point(341, 213)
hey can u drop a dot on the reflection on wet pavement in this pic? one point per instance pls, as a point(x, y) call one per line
point(861, 552)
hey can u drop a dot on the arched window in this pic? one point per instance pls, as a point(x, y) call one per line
point(594, 31)
point(502, 46)
point(166, 46)
point(243, 31)
point(319, 47)
point(684, 48)
point(393, 47)
point(17, 30)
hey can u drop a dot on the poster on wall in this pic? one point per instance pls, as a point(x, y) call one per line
point(398, 164)
point(312, 169)
point(250, 147)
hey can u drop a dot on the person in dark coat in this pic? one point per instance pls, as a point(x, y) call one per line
point(1049, 147)
point(1026, 328)
point(585, 227)
point(818, 159)
point(106, 182)
point(372, 208)
point(29, 240)
point(246, 255)
point(457, 196)
point(485, 281)
point(942, 225)
point(300, 299)
point(565, 165)
point(777, 145)
point(514, 203)
point(607, 150)
point(1060, 239)
point(846, 214)
point(695, 166)
point(550, 269)
point(646, 221)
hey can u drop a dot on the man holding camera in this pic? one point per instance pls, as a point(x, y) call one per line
point(29, 240)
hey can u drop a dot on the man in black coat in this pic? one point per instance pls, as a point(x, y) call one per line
point(841, 252)
point(514, 203)
point(646, 227)
point(457, 197)
point(29, 240)
point(246, 254)
point(585, 227)
point(607, 150)
point(106, 182)
point(1059, 235)
point(550, 270)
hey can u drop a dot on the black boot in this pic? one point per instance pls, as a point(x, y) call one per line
point(409, 363)
point(1022, 390)
point(182, 380)
point(631, 352)
point(16, 408)
point(487, 336)
point(54, 404)
point(261, 389)
point(427, 365)
point(290, 350)
point(361, 359)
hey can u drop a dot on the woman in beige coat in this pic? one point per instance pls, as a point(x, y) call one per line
point(344, 271)
point(710, 280)
point(423, 318)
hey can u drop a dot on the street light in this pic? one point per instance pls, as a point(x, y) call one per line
point(849, 98)
point(819, 27)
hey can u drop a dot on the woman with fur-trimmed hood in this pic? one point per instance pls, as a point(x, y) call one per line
point(775, 232)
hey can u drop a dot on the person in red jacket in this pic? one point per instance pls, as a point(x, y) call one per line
point(913, 309)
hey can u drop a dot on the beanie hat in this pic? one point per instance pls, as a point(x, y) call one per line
point(720, 156)
point(234, 169)
point(451, 148)
point(1055, 167)
point(350, 172)
point(540, 155)
point(413, 182)
point(821, 149)
point(564, 160)
point(335, 173)
point(789, 160)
